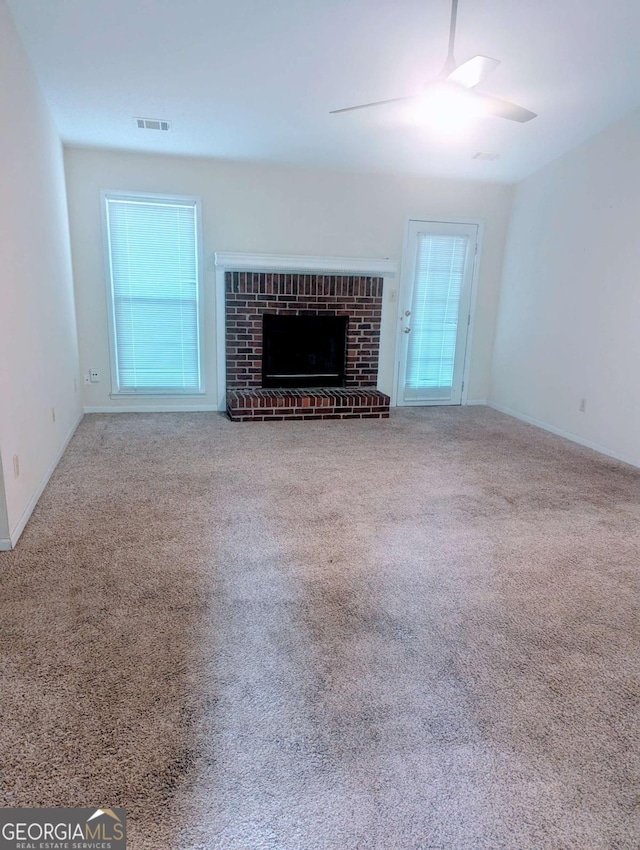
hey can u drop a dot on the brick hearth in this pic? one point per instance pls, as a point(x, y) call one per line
point(249, 295)
point(274, 405)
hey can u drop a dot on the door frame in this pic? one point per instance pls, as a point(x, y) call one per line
point(406, 271)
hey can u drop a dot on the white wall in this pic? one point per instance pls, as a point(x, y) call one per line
point(569, 316)
point(38, 340)
point(281, 210)
point(5, 535)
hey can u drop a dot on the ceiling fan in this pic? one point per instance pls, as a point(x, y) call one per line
point(463, 78)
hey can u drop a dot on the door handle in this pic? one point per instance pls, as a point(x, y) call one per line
point(407, 330)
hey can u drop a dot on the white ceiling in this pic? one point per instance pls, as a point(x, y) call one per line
point(249, 79)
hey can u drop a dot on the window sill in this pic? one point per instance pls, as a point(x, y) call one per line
point(147, 394)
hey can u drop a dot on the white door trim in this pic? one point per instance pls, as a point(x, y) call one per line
point(406, 267)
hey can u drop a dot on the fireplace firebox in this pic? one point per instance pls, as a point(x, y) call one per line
point(303, 351)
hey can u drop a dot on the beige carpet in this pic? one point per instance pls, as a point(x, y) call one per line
point(419, 633)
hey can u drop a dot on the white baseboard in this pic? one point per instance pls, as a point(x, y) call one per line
point(560, 432)
point(19, 528)
point(156, 408)
point(5, 544)
point(473, 401)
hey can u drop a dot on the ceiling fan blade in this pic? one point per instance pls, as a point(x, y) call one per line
point(375, 103)
point(474, 71)
point(505, 109)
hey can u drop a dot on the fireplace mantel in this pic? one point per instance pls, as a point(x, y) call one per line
point(227, 261)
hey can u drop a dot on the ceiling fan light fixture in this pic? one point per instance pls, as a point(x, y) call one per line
point(447, 108)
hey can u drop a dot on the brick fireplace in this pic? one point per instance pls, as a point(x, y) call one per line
point(350, 393)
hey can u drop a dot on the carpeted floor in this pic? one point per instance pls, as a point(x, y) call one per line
point(419, 633)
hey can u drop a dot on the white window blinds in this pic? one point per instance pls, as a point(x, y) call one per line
point(440, 266)
point(152, 247)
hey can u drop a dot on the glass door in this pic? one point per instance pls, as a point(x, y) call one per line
point(436, 296)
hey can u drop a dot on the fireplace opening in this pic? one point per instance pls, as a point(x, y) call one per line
point(303, 351)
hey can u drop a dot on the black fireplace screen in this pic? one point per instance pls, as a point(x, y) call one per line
point(303, 351)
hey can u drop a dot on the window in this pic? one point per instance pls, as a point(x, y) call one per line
point(440, 265)
point(155, 293)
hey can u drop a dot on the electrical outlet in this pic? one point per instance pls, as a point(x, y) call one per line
point(16, 466)
point(53, 414)
point(393, 295)
point(583, 405)
point(94, 376)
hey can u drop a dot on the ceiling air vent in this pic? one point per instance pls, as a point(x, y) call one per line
point(152, 124)
point(486, 157)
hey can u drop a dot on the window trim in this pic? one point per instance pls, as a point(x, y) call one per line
point(116, 390)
